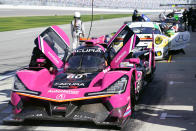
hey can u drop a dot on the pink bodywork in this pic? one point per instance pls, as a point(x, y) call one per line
point(40, 60)
point(62, 34)
point(44, 47)
point(41, 81)
point(15, 99)
point(51, 54)
point(134, 60)
point(97, 42)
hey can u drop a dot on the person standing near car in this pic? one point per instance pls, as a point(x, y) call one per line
point(135, 17)
point(189, 15)
point(77, 29)
point(185, 18)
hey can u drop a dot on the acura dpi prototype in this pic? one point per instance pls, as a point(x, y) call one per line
point(87, 84)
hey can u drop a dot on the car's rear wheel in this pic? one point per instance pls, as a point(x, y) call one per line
point(150, 76)
point(133, 98)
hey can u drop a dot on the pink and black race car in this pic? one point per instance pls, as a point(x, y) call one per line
point(88, 84)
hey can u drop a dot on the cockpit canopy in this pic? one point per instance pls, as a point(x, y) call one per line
point(86, 59)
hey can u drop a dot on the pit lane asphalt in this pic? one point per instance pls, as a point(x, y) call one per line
point(167, 104)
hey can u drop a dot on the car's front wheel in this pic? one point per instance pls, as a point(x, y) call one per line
point(126, 124)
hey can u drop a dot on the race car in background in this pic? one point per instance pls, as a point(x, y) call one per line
point(145, 31)
point(91, 84)
point(176, 15)
point(164, 40)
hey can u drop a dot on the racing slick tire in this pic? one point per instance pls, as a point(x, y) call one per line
point(132, 93)
point(126, 124)
point(150, 76)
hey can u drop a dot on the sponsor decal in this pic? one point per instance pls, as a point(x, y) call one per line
point(71, 92)
point(106, 70)
point(60, 96)
point(73, 87)
point(65, 85)
point(178, 45)
point(89, 50)
point(79, 117)
point(53, 57)
point(181, 38)
point(117, 60)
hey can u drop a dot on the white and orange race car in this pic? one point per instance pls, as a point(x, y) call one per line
point(163, 41)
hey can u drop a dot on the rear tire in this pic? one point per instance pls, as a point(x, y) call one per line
point(150, 76)
point(133, 100)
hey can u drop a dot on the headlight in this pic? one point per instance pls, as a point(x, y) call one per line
point(158, 40)
point(117, 87)
point(159, 53)
point(20, 87)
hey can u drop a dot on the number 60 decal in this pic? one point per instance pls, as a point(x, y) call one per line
point(75, 76)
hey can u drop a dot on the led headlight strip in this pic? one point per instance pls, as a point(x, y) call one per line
point(20, 87)
point(118, 87)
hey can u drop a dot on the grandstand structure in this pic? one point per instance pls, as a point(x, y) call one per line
point(113, 4)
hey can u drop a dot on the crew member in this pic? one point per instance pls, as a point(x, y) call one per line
point(77, 30)
point(134, 17)
point(189, 15)
point(185, 18)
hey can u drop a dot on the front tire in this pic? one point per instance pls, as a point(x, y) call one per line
point(126, 124)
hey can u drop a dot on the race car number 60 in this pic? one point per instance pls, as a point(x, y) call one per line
point(73, 76)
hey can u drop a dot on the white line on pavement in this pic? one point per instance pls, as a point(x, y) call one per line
point(168, 107)
point(3, 77)
point(165, 115)
point(175, 82)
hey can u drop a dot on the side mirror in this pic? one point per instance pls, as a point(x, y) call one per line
point(134, 60)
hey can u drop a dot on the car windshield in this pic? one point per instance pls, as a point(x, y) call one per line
point(86, 60)
point(145, 30)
